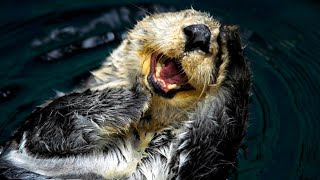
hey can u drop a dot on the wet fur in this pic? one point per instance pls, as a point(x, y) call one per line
point(117, 130)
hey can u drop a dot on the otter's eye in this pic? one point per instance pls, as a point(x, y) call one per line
point(198, 36)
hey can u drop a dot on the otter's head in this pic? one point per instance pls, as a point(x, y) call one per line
point(180, 54)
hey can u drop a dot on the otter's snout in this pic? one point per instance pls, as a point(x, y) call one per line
point(197, 36)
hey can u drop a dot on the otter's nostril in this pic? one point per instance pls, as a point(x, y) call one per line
point(197, 36)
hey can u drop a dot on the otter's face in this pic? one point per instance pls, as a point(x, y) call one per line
point(179, 54)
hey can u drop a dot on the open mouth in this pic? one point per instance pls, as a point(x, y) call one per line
point(167, 76)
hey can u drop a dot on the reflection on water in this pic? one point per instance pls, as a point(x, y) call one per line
point(50, 48)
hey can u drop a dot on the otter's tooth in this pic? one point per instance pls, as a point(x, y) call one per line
point(158, 74)
point(162, 81)
point(159, 65)
point(158, 70)
point(171, 86)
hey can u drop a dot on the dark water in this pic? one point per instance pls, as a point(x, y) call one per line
point(47, 47)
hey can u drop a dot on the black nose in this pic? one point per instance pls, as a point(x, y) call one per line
point(198, 36)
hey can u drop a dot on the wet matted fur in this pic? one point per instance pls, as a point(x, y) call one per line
point(158, 108)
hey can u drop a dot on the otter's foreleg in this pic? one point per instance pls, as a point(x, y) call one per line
point(209, 146)
point(78, 135)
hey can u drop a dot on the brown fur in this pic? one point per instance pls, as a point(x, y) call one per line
point(163, 33)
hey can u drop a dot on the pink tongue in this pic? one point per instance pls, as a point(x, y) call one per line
point(170, 74)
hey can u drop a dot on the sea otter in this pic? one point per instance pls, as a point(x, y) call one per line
point(171, 102)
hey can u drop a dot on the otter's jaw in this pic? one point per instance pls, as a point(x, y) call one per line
point(166, 76)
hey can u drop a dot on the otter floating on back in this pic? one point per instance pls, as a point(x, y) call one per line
point(171, 102)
